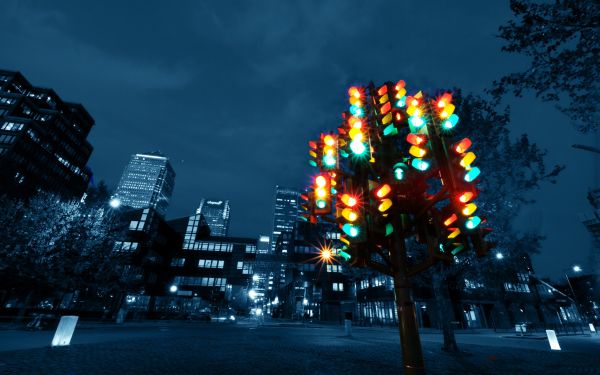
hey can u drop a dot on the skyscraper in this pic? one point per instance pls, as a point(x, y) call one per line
point(216, 214)
point(147, 181)
point(43, 142)
point(285, 213)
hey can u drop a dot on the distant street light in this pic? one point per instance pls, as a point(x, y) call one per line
point(577, 268)
point(499, 256)
point(305, 302)
point(115, 203)
point(255, 277)
point(252, 294)
point(173, 288)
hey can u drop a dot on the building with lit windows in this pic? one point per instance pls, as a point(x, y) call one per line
point(285, 213)
point(147, 181)
point(212, 270)
point(43, 142)
point(216, 214)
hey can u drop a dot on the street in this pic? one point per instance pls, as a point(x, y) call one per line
point(280, 347)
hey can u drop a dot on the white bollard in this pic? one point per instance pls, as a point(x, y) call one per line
point(552, 339)
point(64, 331)
point(592, 328)
point(348, 327)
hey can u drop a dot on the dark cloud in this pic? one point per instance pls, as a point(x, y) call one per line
point(233, 90)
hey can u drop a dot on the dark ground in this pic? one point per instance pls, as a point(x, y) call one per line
point(281, 348)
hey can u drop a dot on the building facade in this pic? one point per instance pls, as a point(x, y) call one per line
point(147, 181)
point(216, 214)
point(285, 213)
point(43, 140)
point(213, 271)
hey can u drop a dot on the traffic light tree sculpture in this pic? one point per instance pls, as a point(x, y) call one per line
point(391, 172)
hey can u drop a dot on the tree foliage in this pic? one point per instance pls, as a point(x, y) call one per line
point(512, 169)
point(52, 246)
point(562, 38)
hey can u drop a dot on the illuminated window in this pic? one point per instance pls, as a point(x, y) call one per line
point(338, 287)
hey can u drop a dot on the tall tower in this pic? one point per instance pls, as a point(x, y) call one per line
point(285, 214)
point(216, 214)
point(147, 181)
point(43, 140)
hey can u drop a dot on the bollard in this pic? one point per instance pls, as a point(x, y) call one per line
point(592, 328)
point(348, 327)
point(64, 331)
point(552, 339)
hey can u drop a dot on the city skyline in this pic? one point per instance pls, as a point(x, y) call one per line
point(269, 129)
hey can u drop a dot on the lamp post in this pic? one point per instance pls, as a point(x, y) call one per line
point(576, 269)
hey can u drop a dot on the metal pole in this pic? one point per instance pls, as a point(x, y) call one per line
point(412, 356)
point(574, 297)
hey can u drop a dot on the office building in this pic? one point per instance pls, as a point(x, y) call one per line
point(216, 270)
point(43, 144)
point(147, 181)
point(285, 214)
point(216, 214)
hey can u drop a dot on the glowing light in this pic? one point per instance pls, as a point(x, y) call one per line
point(417, 151)
point(472, 174)
point(447, 111)
point(454, 233)
point(399, 171)
point(384, 99)
point(420, 164)
point(499, 256)
point(325, 255)
point(450, 220)
point(329, 161)
point(385, 205)
point(386, 108)
point(387, 118)
point(252, 294)
point(321, 181)
point(356, 135)
point(356, 111)
point(383, 191)
point(451, 122)
point(390, 130)
point(355, 122)
point(115, 203)
point(465, 197)
point(415, 139)
point(351, 230)
point(416, 121)
point(321, 203)
point(462, 145)
point(457, 249)
point(354, 92)
point(329, 140)
point(467, 159)
point(469, 209)
point(577, 268)
point(401, 102)
point(382, 90)
point(389, 229)
point(349, 200)
point(473, 222)
point(357, 147)
point(255, 277)
point(173, 288)
point(401, 84)
point(321, 193)
point(349, 214)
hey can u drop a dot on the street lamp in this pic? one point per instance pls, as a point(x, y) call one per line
point(499, 256)
point(115, 203)
point(576, 268)
point(173, 288)
point(252, 294)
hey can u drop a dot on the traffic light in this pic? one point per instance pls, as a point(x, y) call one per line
point(385, 113)
point(329, 153)
point(322, 194)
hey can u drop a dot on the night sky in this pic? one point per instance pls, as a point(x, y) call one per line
point(233, 91)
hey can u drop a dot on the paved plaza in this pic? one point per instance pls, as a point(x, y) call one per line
point(281, 347)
